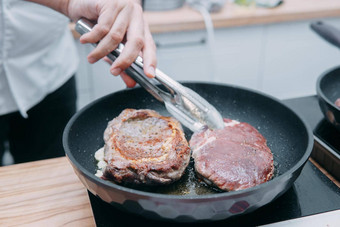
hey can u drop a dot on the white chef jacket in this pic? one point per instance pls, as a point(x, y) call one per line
point(37, 54)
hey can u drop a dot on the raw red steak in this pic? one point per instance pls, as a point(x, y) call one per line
point(233, 158)
point(143, 147)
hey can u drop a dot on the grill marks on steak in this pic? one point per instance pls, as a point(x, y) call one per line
point(233, 158)
point(143, 147)
point(143, 138)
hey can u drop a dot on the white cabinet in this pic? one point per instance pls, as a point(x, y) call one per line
point(183, 55)
point(238, 55)
point(185, 58)
point(294, 57)
point(94, 80)
point(283, 60)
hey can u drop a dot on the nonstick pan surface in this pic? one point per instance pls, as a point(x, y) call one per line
point(328, 91)
point(189, 200)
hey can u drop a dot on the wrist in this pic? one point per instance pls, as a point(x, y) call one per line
point(60, 5)
point(64, 7)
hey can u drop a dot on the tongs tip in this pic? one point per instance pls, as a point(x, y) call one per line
point(214, 120)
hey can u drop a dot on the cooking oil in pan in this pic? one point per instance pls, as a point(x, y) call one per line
point(188, 185)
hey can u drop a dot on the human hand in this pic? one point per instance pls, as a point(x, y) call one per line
point(149, 55)
point(117, 21)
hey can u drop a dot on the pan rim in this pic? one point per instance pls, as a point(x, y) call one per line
point(230, 194)
point(320, 92)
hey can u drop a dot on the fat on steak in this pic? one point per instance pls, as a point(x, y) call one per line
point(144, 148)
point(233, 158)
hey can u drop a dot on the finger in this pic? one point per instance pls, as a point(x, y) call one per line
point(128, 80)
point(135, 41)
point(149, 54)
point(108, 60)
point(107, 14)
point(103, 26)
point(114, 37)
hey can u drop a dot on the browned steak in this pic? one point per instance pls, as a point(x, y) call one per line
point(233, 158)
point(143, 147)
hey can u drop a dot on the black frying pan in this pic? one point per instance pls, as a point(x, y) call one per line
point(328, 84)
point(328, 91)
point(287, 135)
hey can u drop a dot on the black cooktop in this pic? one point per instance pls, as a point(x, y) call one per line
point(311, 193)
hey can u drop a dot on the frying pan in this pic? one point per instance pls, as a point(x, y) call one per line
point(328, 84)
point(189, 200)
point(328, 91)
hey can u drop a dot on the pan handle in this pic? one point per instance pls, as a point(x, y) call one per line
point(328, 32)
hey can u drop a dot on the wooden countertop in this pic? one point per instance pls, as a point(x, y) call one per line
point(43, 193)
point(231, 15)
point(48, 193)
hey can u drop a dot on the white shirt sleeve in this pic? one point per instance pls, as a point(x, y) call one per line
point(37, 55)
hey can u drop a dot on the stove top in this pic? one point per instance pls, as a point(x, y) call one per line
point(326, 137)
point(311, 193)
point(329, 135)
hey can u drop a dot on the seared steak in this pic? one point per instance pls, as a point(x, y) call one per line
point(143, 147)
point(233, 158)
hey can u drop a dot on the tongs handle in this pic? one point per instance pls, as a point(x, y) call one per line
point(135, 71)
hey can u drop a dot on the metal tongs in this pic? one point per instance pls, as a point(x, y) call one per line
point(184, 104)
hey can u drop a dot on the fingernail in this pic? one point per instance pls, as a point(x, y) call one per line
point(151, 71)
point(116, 71)
point(92, 60)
